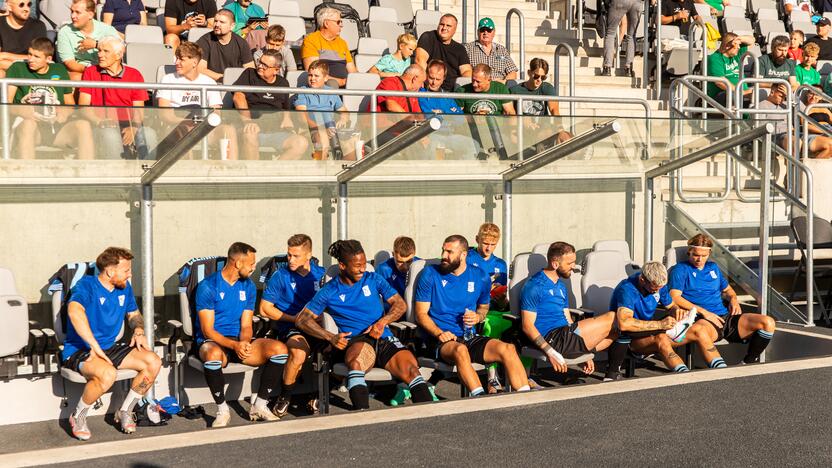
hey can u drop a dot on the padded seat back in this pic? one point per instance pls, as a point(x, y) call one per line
point(147, 58)
point(542, 248)
point(602, 272)
point(60, 285)
point(14, 334)
point(381, 257)
point(413, 276)
point(821, 228)
point(523, 267)
point(190, 275)
point(617, 245)
point(140, 33)
point(675, 255)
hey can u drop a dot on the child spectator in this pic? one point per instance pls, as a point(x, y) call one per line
point(805, 72)
point(395, 64)
point(795, 44)
point(276, 40)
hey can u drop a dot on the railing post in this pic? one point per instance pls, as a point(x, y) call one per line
point(7, 140)
point(580, 12)
point(765, 190)
point(147, 272)
point(522, 26)
point(203, 99)
point(648, 219)
point(570, 53)
point(476, 17)
point(342, 211)
point(507, 231)
point(464, 21)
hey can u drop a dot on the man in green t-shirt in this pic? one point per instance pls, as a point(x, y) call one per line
point(44, 120)
point(805, 72)
point(777, 64)
point(725, 62)
point(481, 83)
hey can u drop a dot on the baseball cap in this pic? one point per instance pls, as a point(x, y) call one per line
point(823, 21)
point(488, 23)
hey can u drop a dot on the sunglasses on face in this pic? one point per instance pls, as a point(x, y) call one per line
point(488, 30)
point(26, 5)
point(539, 77)
point(338, 22)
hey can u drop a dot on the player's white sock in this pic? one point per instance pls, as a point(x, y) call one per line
point(130, 400)
point(81, 406)
point(222, 408)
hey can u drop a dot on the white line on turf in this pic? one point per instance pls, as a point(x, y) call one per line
point(78, 453)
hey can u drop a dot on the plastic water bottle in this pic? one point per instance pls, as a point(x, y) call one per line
point(468, 332)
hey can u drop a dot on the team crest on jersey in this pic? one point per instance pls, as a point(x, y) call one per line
point(713, 274)
point(242, 295)
point(342, 297)
point(496, 269)
point(293, 285)
point(366, 290)
point(121, 300)
point(222, 295)
point(317, 286)
point(470, 286)
point(656, 296)
point(476, 265)
point(551, 293)
point(101, 300)
point(694, 274)
point(444, 282)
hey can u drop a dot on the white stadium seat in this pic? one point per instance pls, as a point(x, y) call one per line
point(366, 81)
point(364, 62)
point(147, 58)
point(372, 46)
point(426, 20)
point(602, 273)
point(195, 33)
point(294, 26)
point(404, 9)
point(136, 33)
point(283, 8)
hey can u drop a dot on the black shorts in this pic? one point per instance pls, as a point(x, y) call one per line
point(116, 353)
point(730, 331)
point(230, 354)
point(476, 348)
point(316, 345)
point(385, 348)
point(567, 341)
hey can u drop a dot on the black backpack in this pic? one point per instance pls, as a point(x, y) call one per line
point(347, 13)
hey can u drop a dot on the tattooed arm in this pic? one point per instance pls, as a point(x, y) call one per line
point(628, 323)
point(307, 322)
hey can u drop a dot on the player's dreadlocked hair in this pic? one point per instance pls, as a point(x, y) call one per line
point(344, 250)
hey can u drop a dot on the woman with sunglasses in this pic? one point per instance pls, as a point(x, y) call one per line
point(17, 30)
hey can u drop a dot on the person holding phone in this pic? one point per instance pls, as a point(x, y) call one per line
point(248, 16)
point(183, 15)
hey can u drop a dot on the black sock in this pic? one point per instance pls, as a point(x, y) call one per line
point(758, 342)
point(359, 393)
point(272, 375)
point(419, 391)
point(286, 390)
point(616, 354)
point(215, 380)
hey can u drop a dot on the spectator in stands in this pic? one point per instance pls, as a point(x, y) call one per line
point(547, 324)
point(354, 301)
point(725, 62)
point(37, 126)
point(820, 146)
point(789, 5)
point(243, 11)
point(223, 49)
point(288, 143)
point(485, 50)
point(78, 41)
point(795, 45)
point(481, 83)
point(17, 30)
point(223, 334)
point(698, 283)
point(188, 56)
point(326, 45)
point(121, 127)
point(717, 6)
point(822, 39)
point(440, 45)
point(276, 40)
point(321, 118)
point(90, 347)
point(679, 13)
point(777, 64)
point(805, 72)
point(451, 299)
point(619, 9)
point(635, 302)
point(411, 80)
point(288, 290)
point(395, 64)
point(536, 85)
point(395, 269)
point(821, 115)
point(183, 15)
point(447, 138)
point(120, 13)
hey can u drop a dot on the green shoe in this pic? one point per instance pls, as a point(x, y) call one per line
point(402, 394)
point(432, 393)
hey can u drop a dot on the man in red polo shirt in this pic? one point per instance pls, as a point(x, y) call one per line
point(120, 123)
point(411, 80)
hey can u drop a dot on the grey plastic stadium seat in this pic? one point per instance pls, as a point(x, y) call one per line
point(426, 20)
point(732, 11)
point(231, 74)
point(462, 81)
point(670, 32)
point(703, 10)
point(807, 27)
point(768, 27)
point(296, 78)
point(767, 14)
point(541, 248)
point(381, 257)
point(147, 58)
point(617, 245)
point(771, 37)
point(372, 46)
point(361, 81)
point(364, 62)
point(387, 31)
point(56, 12)
point(307, 8)
point(800, 16)
point(380, 14)
point(144, 34)
point(14, 334)
point(284, 8)
point(738, 25)
point(362, 7)
point(164, 70)
point(756, 5)
point(824, 67)
point(350, 34)
point(602, 273)
point(294, 26)
point(403, 8)
point(675, 255)
point(195, 33)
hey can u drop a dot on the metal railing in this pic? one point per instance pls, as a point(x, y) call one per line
point(522, 26)
point(570, 55)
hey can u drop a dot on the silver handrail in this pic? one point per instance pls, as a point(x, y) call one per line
point(570, 55)
point(646, 48)
point(522, 26)
point(464, 21)
point(703, 63)
point(580, 13)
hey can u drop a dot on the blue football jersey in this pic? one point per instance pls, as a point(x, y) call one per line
point(228, 301)
point(290, 292)
point(627, 294)
point(449, 295)
point(549, 300)
point(495, 267)
point(354, 308)
point(702, 287)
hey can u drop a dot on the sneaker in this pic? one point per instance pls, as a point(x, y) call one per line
point(432, 390)
point(222, 419)
point(125, 421)
point(281, 408)
point(534, 385)
point(494, 386)
point(605, 71)
point(260, 413)
point(312, 406)
point(678, 332)
point(78, 423)
point(612, 376)
point(402, 395)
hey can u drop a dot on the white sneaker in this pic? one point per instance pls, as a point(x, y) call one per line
point(678, 332)
point(259, 413)
point(222, 419)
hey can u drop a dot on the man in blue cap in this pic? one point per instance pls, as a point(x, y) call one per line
point(485, 50)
